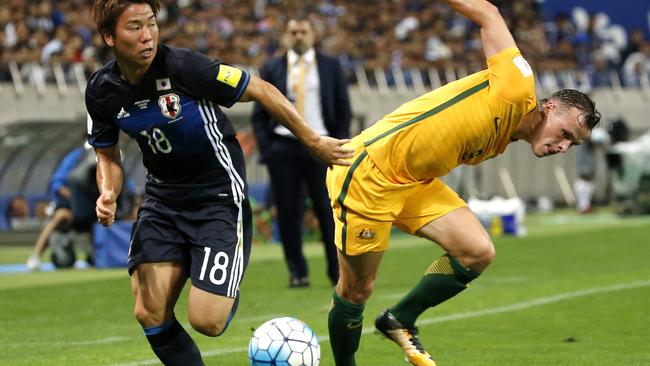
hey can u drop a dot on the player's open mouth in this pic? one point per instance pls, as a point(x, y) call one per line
point(146, 52)
point(549, 151)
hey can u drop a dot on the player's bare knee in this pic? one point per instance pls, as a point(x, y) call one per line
point(357, 293)
point(478, 256)
point(209, 327)
point(484, 253)
point(148, 318)
point(488, 254)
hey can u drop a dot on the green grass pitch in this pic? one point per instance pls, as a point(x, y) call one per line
point(575, 291)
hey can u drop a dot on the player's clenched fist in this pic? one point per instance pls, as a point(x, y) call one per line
point(106, 206)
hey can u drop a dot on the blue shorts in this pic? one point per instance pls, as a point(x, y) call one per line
point(213, 241)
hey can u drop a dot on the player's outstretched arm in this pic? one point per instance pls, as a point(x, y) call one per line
point(494, 31)
point(109, 182)
point(328, 150)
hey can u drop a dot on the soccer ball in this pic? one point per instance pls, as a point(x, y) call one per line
point(284, 342)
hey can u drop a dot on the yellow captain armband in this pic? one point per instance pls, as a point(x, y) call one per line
point(229, 75)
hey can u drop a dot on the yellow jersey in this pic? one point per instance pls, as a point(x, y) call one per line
point(464, 122)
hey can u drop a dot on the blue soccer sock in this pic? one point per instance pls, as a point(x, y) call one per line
point(173, 346)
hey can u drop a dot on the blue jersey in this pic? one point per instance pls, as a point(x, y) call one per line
point(60, 175)
point(188, 144)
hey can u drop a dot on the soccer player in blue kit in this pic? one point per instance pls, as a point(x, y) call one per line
point(196, 219)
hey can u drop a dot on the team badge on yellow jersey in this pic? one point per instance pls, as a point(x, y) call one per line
point(367, 234)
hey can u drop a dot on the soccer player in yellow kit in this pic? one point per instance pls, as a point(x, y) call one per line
point(394, 180)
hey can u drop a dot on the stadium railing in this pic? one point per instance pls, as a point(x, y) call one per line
point(58, 91)
point(375, 80)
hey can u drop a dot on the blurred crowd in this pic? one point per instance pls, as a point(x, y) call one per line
point(387, 34)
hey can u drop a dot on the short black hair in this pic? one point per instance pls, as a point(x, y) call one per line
point(580, 100)
point(106, 12)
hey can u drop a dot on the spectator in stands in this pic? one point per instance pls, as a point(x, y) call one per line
point(636, 68)
point(316, 85)
point(637, 39)
point(18, 208)
point(598, 71)
point(8, 26)
point(379, 36)
point(560, 29)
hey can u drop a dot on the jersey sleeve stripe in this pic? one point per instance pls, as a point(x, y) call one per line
point(242, 88)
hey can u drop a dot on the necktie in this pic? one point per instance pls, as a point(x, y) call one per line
point(299, 86)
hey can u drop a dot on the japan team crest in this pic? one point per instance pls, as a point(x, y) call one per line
point(170, 105)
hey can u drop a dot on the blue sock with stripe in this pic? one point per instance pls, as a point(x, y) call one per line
point(173, 346)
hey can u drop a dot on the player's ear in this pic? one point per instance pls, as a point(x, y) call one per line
point(548, 106)
point(108, 39)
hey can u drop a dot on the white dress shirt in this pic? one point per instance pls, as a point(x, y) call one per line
point(312, 101)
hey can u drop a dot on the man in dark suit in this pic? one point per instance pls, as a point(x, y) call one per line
point(316, 85)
